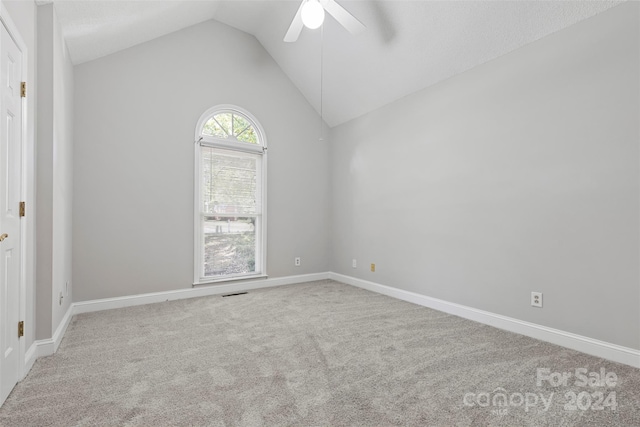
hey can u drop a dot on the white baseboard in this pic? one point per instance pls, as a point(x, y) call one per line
point(570, 340)
point(47, 347)
point(29, 359)
point(200, 291)
point(605, 350)
point(62, 328)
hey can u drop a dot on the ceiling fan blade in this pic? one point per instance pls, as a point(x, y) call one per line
point(341, 15)
point(296, 26)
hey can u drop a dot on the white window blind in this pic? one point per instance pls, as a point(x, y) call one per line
point(231, 184)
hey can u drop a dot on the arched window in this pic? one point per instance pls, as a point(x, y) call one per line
point(230, 220)
point(232, 126)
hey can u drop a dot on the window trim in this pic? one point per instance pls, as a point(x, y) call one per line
point(209, 141)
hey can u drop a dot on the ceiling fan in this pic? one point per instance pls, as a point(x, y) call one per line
point(311, 15)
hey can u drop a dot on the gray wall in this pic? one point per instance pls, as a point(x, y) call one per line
point(519, 175)
point(135, 117)
point(54, 152)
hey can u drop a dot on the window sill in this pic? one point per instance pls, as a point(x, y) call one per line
point(205, 281)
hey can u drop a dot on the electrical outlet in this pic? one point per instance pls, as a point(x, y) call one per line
point(536, 299)
point(296, 261)
point(373, 268)
point(354, 263)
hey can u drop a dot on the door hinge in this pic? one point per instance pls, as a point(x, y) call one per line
point(20, 328)
point(23, 89)
point(21, 209)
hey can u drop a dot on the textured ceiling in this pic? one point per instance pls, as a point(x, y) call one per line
point(408, 45)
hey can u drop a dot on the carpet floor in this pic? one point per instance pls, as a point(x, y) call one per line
point(315, 354)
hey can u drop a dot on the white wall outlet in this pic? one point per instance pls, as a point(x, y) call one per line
point(296, 261)
point(536, 299)
point(354, 263)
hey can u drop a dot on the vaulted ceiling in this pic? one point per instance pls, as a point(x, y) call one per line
point(408, 44)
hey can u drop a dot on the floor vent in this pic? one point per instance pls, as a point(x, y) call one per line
point(233, 295)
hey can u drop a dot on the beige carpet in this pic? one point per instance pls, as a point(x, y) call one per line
point(316, 354)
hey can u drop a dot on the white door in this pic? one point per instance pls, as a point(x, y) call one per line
point(10, 174)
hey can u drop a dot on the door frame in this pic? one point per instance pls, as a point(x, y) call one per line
point(27, 223)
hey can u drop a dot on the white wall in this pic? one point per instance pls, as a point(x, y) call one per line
point(23, 15)
point(63, 117)
point(519, 175)
point(135, 118)
point(54, 142)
